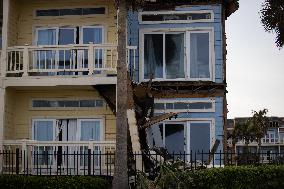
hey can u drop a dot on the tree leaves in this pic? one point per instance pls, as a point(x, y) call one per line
point(272, 18)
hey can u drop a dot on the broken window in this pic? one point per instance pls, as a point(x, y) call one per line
point(174, 137)
point(164, 56)
point(165, 52)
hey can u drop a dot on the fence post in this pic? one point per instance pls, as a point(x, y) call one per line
point(24, 154)
point(89, 161)
point(17, 161)
point(91, 58)
point(25, 60)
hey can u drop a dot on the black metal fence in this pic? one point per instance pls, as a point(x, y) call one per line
point(94, 162)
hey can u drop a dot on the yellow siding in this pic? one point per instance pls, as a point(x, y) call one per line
point(23, 113)
point(27, 22)
point(9, 114)
point(13, 23)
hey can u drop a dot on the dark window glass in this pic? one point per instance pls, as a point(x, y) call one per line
point(50, 12)
point(168, 17)
point(181, 105)
point(159, 106)
point(99, 10)
point(170, 106)
point(41, 103)
point(99, 103)
point(174, 137)
point(64, 12)
point(74, 11)
point(71, 103)
point(87, 103)
point(200, 105)
point(153, 56)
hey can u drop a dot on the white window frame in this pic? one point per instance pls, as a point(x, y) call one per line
point(54, 127)
point(184, 110)
point(187, 32)
point(87, 26)
point(140, 15)
point(102, 129)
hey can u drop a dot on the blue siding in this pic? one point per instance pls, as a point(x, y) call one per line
point(134, 26)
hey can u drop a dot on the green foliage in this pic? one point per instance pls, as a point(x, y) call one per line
point(51, 182)
point(272, 18)
point(242, 177)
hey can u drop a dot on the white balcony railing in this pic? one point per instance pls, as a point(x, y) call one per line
point(54, 60)
point(47, 157)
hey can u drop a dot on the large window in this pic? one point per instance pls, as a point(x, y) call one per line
point(185, 55)
point(185, 136)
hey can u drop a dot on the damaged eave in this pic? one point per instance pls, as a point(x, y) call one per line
point(181, 89)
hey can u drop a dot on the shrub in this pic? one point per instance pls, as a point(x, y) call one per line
point(52, 182)
point(242, 177)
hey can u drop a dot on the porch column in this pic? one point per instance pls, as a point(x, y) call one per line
point(2, 115)
point(5, 33)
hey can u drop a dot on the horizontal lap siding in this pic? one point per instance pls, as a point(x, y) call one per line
point(134, 27)
point(27, 22)
point(23, 113)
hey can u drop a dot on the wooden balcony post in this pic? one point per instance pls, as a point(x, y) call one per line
point(24, 155)
point(91, 59)
point(25, 60)
point(2, 115)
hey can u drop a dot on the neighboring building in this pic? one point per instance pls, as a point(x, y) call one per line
point(271, 144)
point(183, 50)
point(58, 75)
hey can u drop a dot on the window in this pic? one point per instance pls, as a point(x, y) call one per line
point(166, 106)
point(178, 55)
point(186, 136)
point(71, 11)
point(42, 103)
point(65, 60)
point(176, 17)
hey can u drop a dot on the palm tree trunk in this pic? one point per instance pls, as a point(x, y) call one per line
point(120, 179)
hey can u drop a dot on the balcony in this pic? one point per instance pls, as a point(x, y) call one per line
point(58, 157)
point(63, 61)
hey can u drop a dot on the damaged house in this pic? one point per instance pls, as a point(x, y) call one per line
point(58, 81)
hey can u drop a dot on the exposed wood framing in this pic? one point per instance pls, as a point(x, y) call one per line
point(158, 119)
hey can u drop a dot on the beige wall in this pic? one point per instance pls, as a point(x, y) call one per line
point(23, 21)
point(19, 113)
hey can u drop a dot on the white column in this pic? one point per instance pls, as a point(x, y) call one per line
point(5, 33)
point(2, 116)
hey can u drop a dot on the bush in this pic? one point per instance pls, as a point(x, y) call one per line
point(242, 177)
point(51, 182)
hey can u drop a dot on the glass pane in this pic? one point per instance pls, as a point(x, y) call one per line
point(43, 130)
point(199, 55)
point(90, 130)
point(200, 139)
point(159, 106)
point(76, 11)
point(181, 105)
point(99, 10)
point(46, 59)
point(174, 138)
point(175, 56)
point(153, 56)
point(66, 37)
point(200, 105)
point(185, 17)
point(93, 35)
point(50, 12)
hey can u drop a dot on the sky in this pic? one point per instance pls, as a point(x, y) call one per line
point(255, 66)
